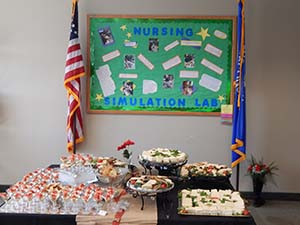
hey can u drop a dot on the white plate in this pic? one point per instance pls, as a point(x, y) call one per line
point(142, 190)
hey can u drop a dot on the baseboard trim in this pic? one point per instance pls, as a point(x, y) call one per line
point(285, 196)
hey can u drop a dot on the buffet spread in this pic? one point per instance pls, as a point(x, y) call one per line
point(70, 189)
point(85, 184)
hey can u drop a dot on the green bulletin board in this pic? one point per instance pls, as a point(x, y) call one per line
point(160, 65)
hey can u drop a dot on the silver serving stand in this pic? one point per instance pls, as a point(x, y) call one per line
point(164, 169)
point(138, 192)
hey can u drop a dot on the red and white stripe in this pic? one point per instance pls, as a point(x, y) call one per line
point(73, 71)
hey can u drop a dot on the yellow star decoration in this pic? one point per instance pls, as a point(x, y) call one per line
point(123, 27)
point(99, 97)
point(221, 98)
point(129, 35)
point(204, 33)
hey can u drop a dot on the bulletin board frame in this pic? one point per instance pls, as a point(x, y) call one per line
point(150, 64)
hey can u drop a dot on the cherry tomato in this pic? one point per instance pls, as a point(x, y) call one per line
point(246, 212)
point(133, 181)
point(163, 185)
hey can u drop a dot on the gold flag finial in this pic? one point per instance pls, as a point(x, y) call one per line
point(73, 5)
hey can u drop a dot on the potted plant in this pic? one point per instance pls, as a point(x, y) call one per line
point(260, 173)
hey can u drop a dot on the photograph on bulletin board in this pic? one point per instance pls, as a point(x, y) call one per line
point(160, 65)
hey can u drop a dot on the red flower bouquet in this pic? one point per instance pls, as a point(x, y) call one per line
point(125, 147)
point(259, 170)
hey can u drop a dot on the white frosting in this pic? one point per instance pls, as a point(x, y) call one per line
point(164, 155)
point(223, 202)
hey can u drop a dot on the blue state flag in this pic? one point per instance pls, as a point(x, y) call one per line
point(238, 146)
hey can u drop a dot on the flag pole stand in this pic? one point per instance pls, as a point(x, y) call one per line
point(237, 177)
point(74, 134)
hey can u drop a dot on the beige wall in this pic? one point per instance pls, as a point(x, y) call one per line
point(33, 42)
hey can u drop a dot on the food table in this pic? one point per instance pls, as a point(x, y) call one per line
point(162, 210)
point(166, 209)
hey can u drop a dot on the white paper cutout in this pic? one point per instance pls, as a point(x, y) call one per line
point(171, 45)
point(146, 62)
point(171, 62)
point(212, 66)
point(190, 43)
point(220, 34)
point(104, 71)
point(111, 55)
point(130, 43)
point(210, 82)
point(106, 82)
point(128, 75)
point(213, 50)
point(188, 74)
point(149, 87)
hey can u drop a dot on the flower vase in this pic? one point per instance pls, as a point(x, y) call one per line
point(258, 183)
point(130, 166)
point(128, 159)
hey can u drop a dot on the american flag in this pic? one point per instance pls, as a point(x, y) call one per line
point(238, 146)
point(73, 71)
